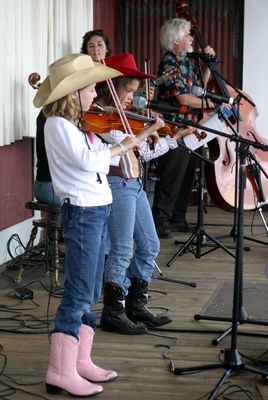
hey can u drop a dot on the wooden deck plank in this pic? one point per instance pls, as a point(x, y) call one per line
point(143, 371)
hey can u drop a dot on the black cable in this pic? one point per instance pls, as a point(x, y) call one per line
point(22, 390)
point(15, 237)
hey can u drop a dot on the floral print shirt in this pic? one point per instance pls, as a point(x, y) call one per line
point(181, 83)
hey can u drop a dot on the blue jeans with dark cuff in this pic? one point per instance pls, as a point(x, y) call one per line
point(134, 243)
point(85, 231)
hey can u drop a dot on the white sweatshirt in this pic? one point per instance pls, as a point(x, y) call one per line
point(76, 164)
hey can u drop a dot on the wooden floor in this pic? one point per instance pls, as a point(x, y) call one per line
point(142, 361)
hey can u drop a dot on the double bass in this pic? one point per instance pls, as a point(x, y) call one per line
point(221, 177)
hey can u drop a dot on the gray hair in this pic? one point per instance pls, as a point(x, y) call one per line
point(173, 29)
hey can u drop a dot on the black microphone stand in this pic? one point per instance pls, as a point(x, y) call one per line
point(199, 236)
point(232, 362)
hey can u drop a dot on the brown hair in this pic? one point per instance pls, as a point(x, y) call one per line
point(103, 92)
point(98, 32)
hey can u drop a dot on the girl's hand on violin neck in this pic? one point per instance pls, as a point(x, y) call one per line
point(159, 123)
point(131, 142)
point(151, 130)
point(123, 147)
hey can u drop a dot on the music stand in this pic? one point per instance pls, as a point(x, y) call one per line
point(232, 359)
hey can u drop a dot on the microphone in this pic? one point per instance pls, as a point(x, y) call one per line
point(216, 98)
point(140, 102)
point(200, 56)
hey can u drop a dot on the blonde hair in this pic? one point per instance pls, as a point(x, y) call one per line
point(66, 107)
point(173, 30)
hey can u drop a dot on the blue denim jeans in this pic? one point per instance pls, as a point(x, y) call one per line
point(85, 231)
point(44, 192)
point(134, 243)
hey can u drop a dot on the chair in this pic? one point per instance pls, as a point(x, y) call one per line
point(52, 226)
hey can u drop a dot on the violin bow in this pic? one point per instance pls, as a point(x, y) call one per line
point(116, 100)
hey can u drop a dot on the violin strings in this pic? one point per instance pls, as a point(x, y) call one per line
point(119, 108)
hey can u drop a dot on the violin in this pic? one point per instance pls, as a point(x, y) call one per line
point(103, 121)
point(221, 177)
point(33, 78)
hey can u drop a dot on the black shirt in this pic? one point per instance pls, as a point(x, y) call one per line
point(42, 173)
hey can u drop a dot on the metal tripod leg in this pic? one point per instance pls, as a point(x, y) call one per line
point(266, 228)
point(263, 220)
point(200, 233)
point(162, 278)
point(200, 236)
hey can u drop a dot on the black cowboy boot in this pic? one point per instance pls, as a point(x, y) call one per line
point(113, 317)
point(136, 309)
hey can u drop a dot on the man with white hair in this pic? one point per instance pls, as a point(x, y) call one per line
point(176, 168)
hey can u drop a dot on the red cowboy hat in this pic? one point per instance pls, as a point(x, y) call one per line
point(126, 64)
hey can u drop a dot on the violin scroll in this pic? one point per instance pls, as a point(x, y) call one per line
point(33, 78)
point(200, 135)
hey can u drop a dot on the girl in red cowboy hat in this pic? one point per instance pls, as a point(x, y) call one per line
point(78, 164)
point(133, 240)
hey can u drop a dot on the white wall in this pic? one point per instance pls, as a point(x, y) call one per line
point(255, 63)
point(61, 26)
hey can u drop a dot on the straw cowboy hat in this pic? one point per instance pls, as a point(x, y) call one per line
point(68, 74)
point(125, 63)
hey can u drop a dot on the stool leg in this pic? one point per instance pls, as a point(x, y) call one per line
point(27, 254)
point(53, 253)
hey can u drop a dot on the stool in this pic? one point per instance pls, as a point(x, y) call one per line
point(52, 226)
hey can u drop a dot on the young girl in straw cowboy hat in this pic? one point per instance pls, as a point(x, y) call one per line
point(78, 162)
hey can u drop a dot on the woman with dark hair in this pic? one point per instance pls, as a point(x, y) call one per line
point(96, 44)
